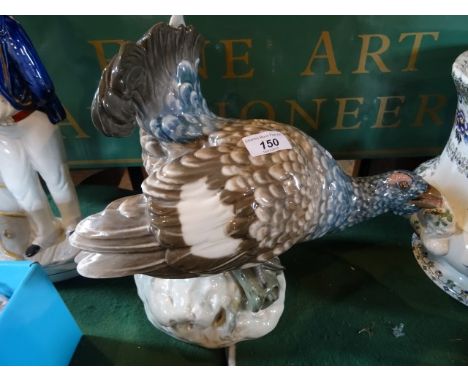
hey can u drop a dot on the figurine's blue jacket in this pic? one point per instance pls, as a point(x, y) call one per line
point(24, 81)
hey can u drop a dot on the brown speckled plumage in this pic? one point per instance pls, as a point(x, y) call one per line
point(271, 194)
point(273, 198)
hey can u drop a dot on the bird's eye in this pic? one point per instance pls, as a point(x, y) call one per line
point(403, 185)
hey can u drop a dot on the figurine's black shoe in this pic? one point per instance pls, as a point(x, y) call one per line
point(32, 250)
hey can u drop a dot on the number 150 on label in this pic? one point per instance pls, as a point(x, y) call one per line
point(269, 143)
point(266, 143)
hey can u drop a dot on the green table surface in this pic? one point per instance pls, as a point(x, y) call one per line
point(345, 293)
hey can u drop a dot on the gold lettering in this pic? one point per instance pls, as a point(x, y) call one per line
point(379, 123)
point(342, 112)
point(230, 58)
point(418, 37)
point(328, 55)
point(312, 122)
point(431, 111)
point(202, 70)
point(71, 121)
point(384, 45)
point(244, 114)
point(99, 47)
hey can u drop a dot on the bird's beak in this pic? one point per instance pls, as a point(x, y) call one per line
point(431, 198)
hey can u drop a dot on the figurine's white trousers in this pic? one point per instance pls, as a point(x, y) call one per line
point(35, 144)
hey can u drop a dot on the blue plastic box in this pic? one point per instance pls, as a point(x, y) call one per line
point(36, 328)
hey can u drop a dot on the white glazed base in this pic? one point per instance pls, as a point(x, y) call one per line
point(206, 311)
point(441, 246)
point(59, 270)
point(441, 271)
point(58, 261)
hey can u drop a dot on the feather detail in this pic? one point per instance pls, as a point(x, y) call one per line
point(214, 208)
point(154, 83)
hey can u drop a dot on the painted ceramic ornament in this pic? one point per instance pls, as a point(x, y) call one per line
point(208, 311)
point(30, 143)
point(441, 242)
point(222, 200)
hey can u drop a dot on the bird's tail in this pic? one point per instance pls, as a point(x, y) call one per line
point(117, 242)
point(154, 83)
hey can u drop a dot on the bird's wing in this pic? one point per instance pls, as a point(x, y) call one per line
point(231, 209)
point(212, 210)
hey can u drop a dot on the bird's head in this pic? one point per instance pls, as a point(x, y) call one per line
point(406, 193)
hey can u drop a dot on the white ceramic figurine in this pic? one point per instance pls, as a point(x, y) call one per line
point(30, 143)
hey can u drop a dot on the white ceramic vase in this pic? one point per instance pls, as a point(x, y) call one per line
point(441, 245)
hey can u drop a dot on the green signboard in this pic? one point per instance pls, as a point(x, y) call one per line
point(363, 86)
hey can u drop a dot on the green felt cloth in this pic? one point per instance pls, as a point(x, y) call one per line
point(345, 293)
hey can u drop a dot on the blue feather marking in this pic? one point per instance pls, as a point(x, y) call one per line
point(185, 115)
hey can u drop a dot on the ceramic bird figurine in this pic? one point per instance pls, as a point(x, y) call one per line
point(222, 195)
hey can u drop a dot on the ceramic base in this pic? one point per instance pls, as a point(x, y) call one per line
point(447, 278)
point(57, 261)
point(207, 311)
